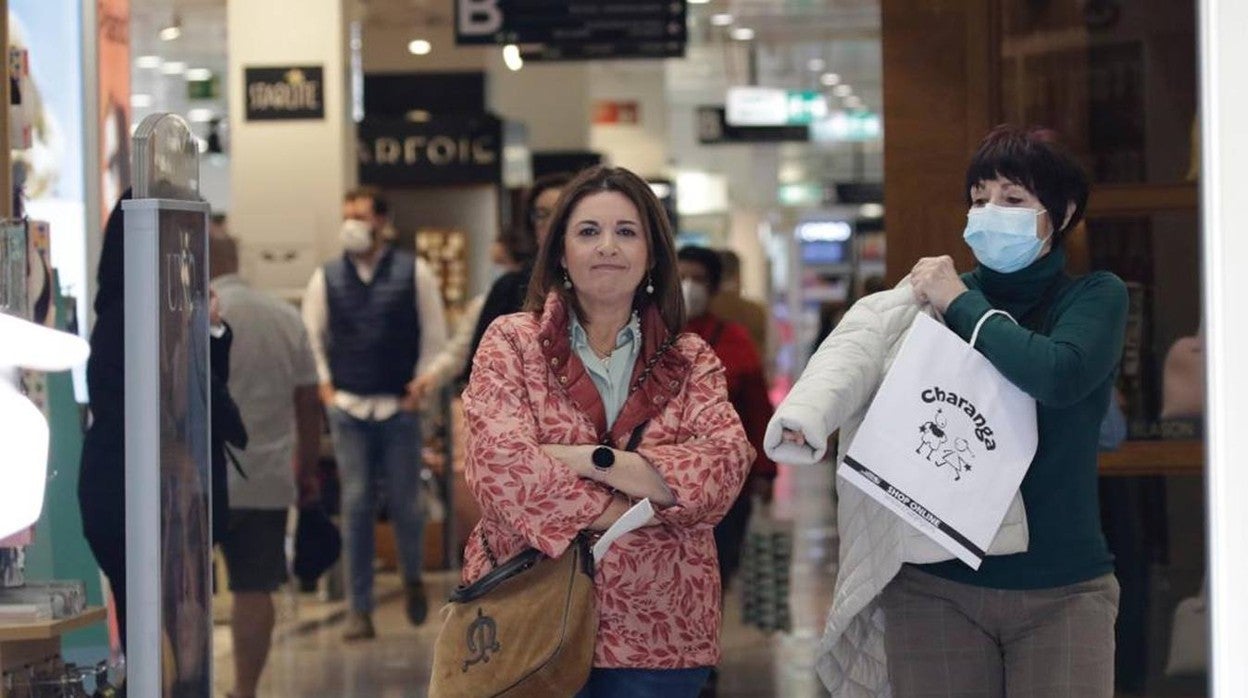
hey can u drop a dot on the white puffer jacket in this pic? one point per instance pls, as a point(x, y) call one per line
point(834, 393)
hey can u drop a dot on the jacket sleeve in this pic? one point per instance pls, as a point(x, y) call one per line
point(227, 421)
point(841, 377)
point(507, 471)
point(1072, 361)
point(706, 470)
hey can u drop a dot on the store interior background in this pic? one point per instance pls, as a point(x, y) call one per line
point(1117, 79)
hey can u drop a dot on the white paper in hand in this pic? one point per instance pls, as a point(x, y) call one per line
point(632, 520)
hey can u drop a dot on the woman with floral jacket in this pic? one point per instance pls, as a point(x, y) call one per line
point(596, 356)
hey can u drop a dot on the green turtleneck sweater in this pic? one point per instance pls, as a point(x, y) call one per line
point(1065, 354)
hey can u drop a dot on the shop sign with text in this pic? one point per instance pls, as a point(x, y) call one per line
point(296, 92)
point(440, 151)
point(576, 29)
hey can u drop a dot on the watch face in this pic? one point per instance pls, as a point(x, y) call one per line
point(603, 457)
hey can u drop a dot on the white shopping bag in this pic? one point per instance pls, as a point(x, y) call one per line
point(946, 441)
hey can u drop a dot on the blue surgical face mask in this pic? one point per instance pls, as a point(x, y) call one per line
point(1003, 238)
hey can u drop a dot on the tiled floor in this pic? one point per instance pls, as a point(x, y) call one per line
point(308, 659)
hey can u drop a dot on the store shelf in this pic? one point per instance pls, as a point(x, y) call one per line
point(1155, 458)
point(47, 630)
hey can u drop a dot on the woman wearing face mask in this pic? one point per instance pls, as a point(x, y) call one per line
point(1040, 621)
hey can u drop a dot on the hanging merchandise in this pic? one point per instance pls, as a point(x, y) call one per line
point(946, 441)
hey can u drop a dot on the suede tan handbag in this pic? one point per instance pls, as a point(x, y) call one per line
point(526, 628)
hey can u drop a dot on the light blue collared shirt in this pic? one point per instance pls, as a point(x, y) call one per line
point(611, 375)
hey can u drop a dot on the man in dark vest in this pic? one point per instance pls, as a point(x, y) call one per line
point(374, 315)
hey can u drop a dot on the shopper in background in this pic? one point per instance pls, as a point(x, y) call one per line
point(729, 303)
point(700, 276)
point(102, 480)
point(374, 318)
point(511, 252)
point(558, 390)
point(1041, 622)
point(273, 379)
point(508, 293)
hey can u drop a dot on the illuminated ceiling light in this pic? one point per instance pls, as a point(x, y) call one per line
point(173, 68)
point(742, 34)
point(721, 19)
point(816, 65)
point(830, 79)
point(419, 47)
point(198, 75)
point(842, 90)
point(511, 56)
point(148, 62)
point(698, 2)
point(871, 210)
point(141, 101)
point(173, 30)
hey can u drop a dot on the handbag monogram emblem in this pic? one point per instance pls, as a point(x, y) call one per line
point(482, 639)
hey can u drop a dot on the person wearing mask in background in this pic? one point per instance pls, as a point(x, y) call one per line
point(274, 382)
point(1035, 623)
point(374, 318)
point(556, 394)
point(700, 275)
point(508, 293)
point(730, 303)
point(102, 479)
point(511, 252)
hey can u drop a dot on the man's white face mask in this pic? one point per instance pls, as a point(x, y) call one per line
point(697, 297)
point(356, 236)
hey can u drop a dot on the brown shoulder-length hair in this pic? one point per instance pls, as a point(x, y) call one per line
point(664, 271)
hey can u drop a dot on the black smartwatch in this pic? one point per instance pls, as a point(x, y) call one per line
point(603, 458)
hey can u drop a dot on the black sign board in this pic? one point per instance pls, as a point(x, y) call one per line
point(296, 92)
point(614, 50)
point(395, 95)
point(713, 128)
point(440, 151)
point(860, 193)
point(617, 23)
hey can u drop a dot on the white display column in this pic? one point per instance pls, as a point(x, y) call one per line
point(1224, 111)
point(168, 459)
point(288, 172)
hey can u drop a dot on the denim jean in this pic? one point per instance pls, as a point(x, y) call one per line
point(369, 452)
point(645, 683)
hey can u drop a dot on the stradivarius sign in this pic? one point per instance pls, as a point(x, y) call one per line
point(296, 92)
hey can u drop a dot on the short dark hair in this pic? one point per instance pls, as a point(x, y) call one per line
point(1034, 158)
point(664, 274)
point(381, 207)
point(710, 261)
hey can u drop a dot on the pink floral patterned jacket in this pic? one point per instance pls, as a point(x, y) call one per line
point(658, 587)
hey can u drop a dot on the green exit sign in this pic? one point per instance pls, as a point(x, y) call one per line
point(772, 106)
point(806, 106)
